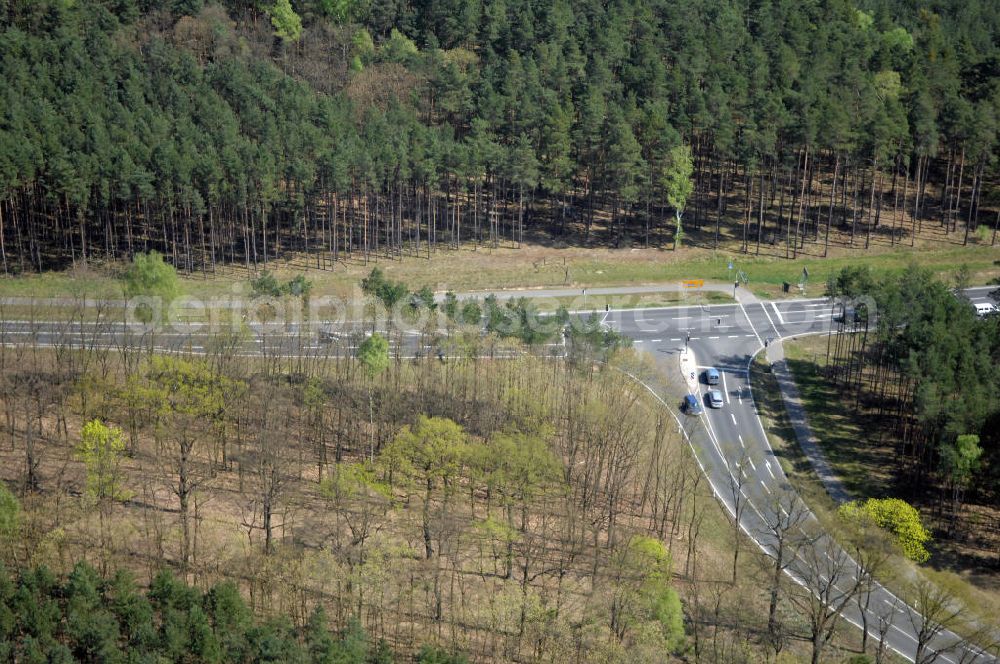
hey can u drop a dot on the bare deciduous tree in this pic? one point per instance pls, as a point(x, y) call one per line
point(830, 584)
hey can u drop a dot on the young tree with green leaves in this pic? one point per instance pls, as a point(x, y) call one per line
point(896, 516)
point(373, 353)
point(287, 24)
point(359, 498)
point(675, 179)
point(149, 276)
point(641, 594)
point(958, 462)
point(102, 450)
point(186, 400)
point(424, 456)
point(385, 291)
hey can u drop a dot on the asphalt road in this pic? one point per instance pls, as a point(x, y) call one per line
point(738, 460)
point(730, 441)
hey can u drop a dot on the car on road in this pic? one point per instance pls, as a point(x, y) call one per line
point(327, 333)
point(691, 405)
point(984, 309)
point(712, 376)
point(848, 315)
point(715, 398)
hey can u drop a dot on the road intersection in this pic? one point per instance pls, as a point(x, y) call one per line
point(730, 442)
point(733, 449)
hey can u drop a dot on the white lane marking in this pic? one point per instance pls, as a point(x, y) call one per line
point(771, 321)
point(734, 418)
point(655, 341)
point(713, 337)
point(780, 319)
point(676, 339)
point(752, 328)
point(768, 465)
point(719, 496)
point(733, 336)
point(752, 464)
point(748, 336)
point(741, 441)
point(725, 388)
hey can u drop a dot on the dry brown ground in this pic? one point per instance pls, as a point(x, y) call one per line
point(393, 589)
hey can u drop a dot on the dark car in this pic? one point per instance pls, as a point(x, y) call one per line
point(692, 405)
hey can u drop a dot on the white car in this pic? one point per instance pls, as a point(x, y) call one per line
point(715, 398)
point(984, 309)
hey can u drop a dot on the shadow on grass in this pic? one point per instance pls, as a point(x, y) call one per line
point(855, 443)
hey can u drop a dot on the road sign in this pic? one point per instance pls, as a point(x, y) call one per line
point(730, 265)
point(693, 283)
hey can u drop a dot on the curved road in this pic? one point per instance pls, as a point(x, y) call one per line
point(731, 447)
point(735, 454)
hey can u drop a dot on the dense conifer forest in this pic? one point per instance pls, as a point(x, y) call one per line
point(238, 131)
point(86, 618)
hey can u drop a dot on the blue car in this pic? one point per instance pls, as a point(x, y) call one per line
point(692, 405)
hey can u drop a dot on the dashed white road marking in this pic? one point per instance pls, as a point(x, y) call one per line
point(751, 463)
point(734, 418)
point(768, 465)
point(733, 336)
point(713, 337)
point(655, 341)
point(741, 441)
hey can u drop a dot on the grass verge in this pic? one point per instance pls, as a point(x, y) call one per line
point(538, 266)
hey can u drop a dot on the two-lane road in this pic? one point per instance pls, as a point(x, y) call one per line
point(732, 446)
point(736, 455)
